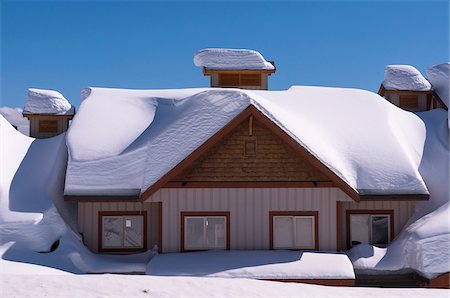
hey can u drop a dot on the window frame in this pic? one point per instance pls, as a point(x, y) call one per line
point(314, 214)
point(386, 212)
point(203, 214)
point(122, 213)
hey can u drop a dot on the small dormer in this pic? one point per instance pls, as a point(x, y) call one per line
point(235, 68)
point(405, 87)
point(48, 111)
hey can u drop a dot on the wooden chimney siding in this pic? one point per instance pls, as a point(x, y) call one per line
point(47, 126)
point(251, 153)
point(413, 101)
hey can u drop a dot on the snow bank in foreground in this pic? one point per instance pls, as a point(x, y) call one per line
point(262, 264)
point(424, 243)
point(231, 59)
point(15, 117)
point(439, 76)
point(109, 285)
point(372, 145)
point(40, 101)
point(32, 211)
point(404, 77)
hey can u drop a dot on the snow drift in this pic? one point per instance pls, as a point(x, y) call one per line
point(217, 58)
point(404, 77)
point(439, 76)
point(34, 216)
point(373, 146)
point(423, 245)
point(40, 101)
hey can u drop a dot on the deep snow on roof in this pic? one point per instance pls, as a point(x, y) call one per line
point(40, 101)
point(217, 58)
point(404, 77)
point(140, 135)
point(439, 76)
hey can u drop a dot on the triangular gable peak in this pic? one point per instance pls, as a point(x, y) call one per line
point(192, 169)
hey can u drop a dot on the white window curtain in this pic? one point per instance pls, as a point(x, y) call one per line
point(293, 232)
point(204, 232)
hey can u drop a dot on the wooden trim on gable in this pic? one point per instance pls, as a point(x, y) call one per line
point(275, 129)
point(184, 164)
point(301, 151)
point(252, 184)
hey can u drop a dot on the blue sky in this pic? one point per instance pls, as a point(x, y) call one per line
point(67, 46)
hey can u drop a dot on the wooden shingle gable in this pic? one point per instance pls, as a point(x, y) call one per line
point(327, 177)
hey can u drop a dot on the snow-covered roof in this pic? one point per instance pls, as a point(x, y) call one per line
point(439, 76)
point(228, 59)
point(404, 77)
point(140, 135)
point(40, 101)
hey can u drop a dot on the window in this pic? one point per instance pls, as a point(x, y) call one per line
point(250, 148)
point(294, 230)
point(409, 102)
point(205, 230)
point(122, 231)
point(239, 79)
point(48, 126)
point(374, 228)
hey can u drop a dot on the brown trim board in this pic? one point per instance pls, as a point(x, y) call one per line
point(322, 282)
point(251, 184)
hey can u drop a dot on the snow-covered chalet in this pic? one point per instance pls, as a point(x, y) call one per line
point(240, 168)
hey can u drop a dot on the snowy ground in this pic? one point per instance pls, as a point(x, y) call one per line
point(263, 264)
point(109, 285)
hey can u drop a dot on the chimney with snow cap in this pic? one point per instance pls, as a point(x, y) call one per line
point(235, 68)
point(405, 87)
point(48, 111)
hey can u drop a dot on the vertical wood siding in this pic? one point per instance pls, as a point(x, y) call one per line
point(88, 220)
point(403, 210)
point(249, 211)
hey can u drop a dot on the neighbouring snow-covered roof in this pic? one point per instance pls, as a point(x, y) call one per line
point(231, 59)
point(40, 101)
point(373, 146)
point(439, 76)
point(15, 117)
point(404, 77)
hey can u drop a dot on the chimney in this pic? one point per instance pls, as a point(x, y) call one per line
point(235, 68)
point(48, 111)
